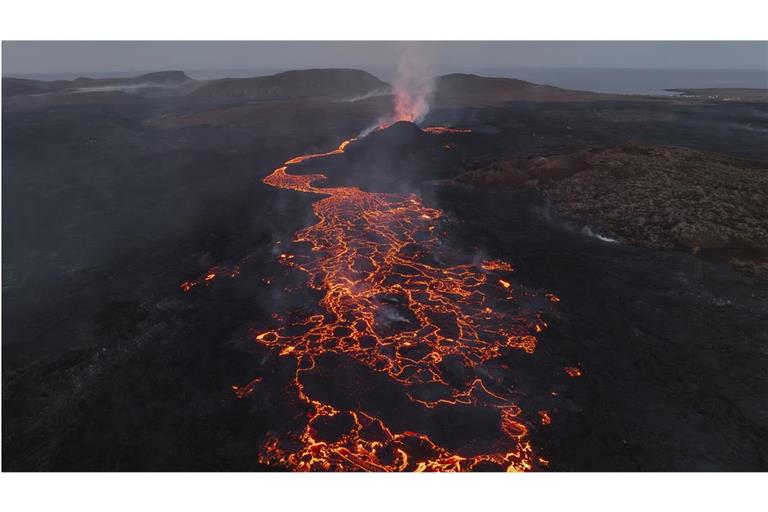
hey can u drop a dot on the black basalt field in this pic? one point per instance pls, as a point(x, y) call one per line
point(644, 359)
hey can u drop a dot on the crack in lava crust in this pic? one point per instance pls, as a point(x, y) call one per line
point(391, 304)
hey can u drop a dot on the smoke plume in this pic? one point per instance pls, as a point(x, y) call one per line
point(413, 87)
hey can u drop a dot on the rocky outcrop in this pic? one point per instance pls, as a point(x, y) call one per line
point(662, 197)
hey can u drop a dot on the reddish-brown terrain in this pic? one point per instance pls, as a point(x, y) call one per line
point(655, 196)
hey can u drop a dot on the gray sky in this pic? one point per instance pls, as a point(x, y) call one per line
point(115, 56)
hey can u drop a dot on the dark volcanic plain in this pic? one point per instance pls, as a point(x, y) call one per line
point(117, 193)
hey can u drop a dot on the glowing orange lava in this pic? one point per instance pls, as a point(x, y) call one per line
point(371, 259)
point(390, 304)
point(573, 371)
point(213, 273)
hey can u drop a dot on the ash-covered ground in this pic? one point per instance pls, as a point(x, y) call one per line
point(110, 203)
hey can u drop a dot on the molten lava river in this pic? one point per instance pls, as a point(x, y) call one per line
point(391, 303)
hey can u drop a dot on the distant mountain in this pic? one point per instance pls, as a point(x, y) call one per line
point(463, 89)
point(23, 86)
point(157, 78)
point(309, 83)
point(337, 84)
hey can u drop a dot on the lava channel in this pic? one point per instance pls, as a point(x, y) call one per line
point(427, 328)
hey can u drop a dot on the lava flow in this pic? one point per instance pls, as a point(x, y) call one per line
point(392, 305)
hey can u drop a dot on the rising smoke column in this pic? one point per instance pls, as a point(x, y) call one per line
point(414, 85)
point(413, 88)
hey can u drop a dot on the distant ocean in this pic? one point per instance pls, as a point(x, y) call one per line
point(635, 81)
point(607, 80)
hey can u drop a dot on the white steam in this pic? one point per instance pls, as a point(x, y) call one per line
point(370, 94)
point(589, 232)
point(413, 87)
